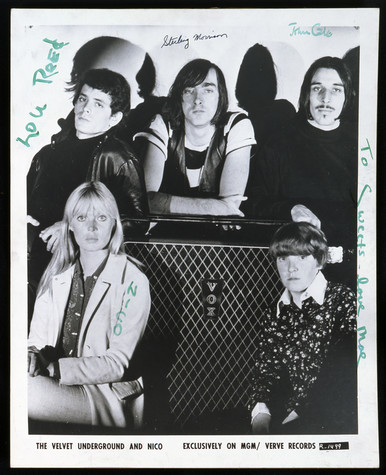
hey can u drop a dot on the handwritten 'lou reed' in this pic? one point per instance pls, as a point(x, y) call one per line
point(42, 76)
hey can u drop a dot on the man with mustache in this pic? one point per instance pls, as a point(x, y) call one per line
point(308, 170)
point(196, 154)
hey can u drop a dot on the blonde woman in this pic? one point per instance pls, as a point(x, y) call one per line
point(90, 314)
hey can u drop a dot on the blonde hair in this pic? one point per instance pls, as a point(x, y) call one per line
point(94, 194)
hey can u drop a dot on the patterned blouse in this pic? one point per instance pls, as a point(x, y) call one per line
point(297, 342)
point(80, 293)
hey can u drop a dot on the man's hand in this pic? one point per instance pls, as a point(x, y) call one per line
point(32, 233)
point(228, 206)
point(260, 423)
point(301, 213)
point(231, 227)
point(292, 416)
point(234, 201)
point(33, 221)
point(50, 236)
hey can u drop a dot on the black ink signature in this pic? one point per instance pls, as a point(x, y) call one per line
point(175, 40)
point(199, 36)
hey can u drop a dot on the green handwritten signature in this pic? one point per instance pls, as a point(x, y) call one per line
point(315, 30)
point(118, 327)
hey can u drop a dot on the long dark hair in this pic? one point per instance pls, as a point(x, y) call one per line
point(327, 62)
point(191, 75)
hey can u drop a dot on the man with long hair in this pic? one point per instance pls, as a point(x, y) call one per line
point(308, 170)
point(197, 154)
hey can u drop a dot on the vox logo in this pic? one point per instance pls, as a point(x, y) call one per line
point(211, 297)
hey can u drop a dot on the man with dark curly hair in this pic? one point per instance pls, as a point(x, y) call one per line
point(86, 151)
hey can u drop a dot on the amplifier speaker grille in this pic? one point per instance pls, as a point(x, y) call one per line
point(206, 364)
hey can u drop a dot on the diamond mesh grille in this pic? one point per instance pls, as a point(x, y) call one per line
point(212, 361)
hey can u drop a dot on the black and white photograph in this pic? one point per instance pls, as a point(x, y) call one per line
point(193, 222)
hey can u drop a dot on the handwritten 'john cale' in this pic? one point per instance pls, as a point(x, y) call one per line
point(316, 30)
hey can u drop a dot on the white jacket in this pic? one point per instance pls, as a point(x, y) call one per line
point(113, 324)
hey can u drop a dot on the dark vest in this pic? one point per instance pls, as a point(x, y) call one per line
point(175, 180)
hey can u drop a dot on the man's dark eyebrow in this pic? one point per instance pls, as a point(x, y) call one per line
point(315, 83)
point(209, 84)
point(203, 84)
point(102, 101)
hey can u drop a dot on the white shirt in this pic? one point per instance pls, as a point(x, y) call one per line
point(239, 136)
point(316, 290)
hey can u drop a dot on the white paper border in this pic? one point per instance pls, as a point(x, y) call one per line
point(363, 450)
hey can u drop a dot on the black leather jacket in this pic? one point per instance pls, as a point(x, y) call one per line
point(112, 162)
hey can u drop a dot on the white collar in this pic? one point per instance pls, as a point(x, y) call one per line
point(316, 290)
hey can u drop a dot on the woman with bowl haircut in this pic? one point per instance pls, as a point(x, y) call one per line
point(304, 378)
